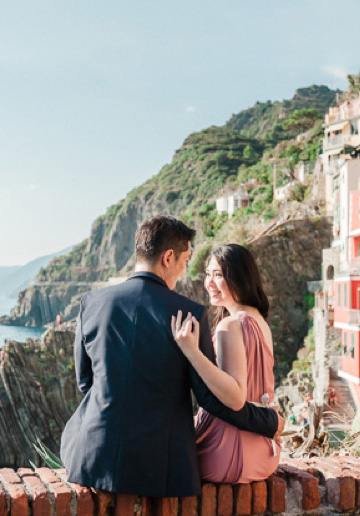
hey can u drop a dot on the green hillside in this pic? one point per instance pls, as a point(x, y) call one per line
point(265, 119)
point(208, 162)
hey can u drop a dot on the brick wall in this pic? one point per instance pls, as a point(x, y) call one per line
point(298, 486)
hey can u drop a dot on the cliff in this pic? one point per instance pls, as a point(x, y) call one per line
point(37, 379)
point(38, 394)
point(288, 258)
point(208, 163)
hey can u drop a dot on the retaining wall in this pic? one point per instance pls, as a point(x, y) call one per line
point(315, 486)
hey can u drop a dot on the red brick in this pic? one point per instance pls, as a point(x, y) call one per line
point(276, 494)
point(125, 505)
point(39, 496)
point(304, 485)
point(9, 475)
point(103, 501)
point(243, 499)
point(18, 500)
point(357, 498)
point(259, 497)
point(143, 506)
point(3, 507)
point(225, 500)
point(165, 506)
point(85, 503)
point(311, 495)
point(347, 494)
point(26, 472)
point(63, 496)
point(47, 475)
point(189, 505)
point(208, 500)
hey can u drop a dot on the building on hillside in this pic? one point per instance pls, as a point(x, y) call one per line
point(281, 193)
point(345, 180)
point(232, 202)
point(337, 307)
point(341, 135)
point(347, 301)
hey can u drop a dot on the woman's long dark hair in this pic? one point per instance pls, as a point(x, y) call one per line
point(242, 277)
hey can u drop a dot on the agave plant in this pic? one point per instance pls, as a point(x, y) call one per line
point(47, 455)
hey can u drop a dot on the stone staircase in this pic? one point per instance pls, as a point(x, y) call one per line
point(341, 415)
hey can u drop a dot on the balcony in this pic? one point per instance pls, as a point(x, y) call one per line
point(354, 317)
point(339, 116)
point(336, 141)
point(354, 267)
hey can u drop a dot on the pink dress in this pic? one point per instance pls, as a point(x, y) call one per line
point(233, 456)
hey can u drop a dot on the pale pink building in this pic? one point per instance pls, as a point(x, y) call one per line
point(341, 133)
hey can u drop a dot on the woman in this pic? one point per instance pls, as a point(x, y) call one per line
point(244, 350)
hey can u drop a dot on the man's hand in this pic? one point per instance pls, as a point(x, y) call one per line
point(281, 425)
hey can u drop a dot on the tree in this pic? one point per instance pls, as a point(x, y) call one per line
point(354, 83)
point(250, 153)
point(301, 120)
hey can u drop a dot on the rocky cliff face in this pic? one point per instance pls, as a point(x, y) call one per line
point(38, 394)
point(209, 162)
point(39, 304)
point(288, 258)
point(37, 379)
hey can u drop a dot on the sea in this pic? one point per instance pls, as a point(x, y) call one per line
point(18, 333)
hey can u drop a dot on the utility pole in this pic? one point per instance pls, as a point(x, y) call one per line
point(274, 182)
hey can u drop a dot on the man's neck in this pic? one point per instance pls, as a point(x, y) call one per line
point(154, 269)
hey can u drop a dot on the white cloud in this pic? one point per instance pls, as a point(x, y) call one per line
point(336, 71)
point(190, 109)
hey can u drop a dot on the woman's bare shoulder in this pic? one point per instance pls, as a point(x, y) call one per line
point(230, 323)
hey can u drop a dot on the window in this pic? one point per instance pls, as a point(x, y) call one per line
point(339, 295)
point(344, 345)
point(345, 295)
point(350, 351)
point(330, 272)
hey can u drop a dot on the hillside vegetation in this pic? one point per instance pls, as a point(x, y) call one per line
point(210, 162)
point(264, 119)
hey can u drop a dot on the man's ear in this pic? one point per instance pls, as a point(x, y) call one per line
point(167, 258)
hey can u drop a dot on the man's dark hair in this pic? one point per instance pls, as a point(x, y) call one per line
point(159, 234)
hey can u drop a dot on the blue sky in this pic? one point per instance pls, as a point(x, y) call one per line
point(96, 96)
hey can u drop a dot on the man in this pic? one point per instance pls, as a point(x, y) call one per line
point(133, 431)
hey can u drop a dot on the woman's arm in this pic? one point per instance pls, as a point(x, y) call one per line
point(230, 384)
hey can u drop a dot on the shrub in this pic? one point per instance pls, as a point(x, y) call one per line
point(197, 265)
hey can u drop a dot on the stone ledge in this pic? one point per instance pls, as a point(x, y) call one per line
point(325, 486)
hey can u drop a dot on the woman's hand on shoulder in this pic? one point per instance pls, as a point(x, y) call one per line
point(186, 333)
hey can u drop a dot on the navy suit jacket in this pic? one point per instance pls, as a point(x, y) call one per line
point(133, 431)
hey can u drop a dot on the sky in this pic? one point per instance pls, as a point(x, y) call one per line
point(96, 96)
